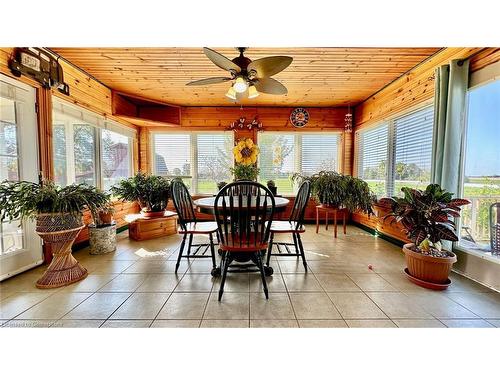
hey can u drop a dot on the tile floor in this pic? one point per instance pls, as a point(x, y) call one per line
point(136, 287)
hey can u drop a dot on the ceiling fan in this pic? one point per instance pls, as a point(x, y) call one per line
point(250, 77)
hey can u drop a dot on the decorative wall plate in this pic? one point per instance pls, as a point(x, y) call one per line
point(299, 117)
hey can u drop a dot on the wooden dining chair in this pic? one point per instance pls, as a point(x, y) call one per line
point(190, 226)
point(244, 211)
point(294, 225)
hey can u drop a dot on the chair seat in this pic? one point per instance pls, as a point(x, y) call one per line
point(232, 243)
point(203, 227)
point(282, 226)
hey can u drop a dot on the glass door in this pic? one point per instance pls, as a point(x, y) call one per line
point(20, 247)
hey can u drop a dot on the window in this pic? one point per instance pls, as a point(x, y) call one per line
point(283, 154)
point(89, 149)
point(201, 159)
point(396, 153)
point(481, 170)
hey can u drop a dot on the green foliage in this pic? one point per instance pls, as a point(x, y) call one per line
point(152, 192)
point(426, 215)
point(25, 200)
point(271, 183)
point(338, 190)
point(245, 172)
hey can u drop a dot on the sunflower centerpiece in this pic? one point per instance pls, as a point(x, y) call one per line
point(245, 157)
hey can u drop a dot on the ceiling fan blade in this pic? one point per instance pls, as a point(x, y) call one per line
point(220, 60)
point(270, 86)
point(208, 81)
point(269, 66)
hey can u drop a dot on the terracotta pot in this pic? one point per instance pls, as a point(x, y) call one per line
point(105, 217)
point(428, 268)
point(153, 214)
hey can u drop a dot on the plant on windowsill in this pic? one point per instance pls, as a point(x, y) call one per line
point(427, 218)
point(58, 213)
point(333, 189)
point(150, 191)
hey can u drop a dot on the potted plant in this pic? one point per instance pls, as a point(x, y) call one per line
point(242, 172)
point(58, 213)
point(333, 189)
point(150, 191)
point(220, 185)
point(102, 231)
point(271, 185)
point(427, 218)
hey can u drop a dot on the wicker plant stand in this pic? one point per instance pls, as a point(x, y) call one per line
point(64, 268)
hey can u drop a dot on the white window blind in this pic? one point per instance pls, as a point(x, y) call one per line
point(372, 157)
point(201, 159)
point(283, 154)
point(413, 149)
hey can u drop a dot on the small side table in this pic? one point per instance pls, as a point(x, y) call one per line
point(334, 211)
point(141, 228)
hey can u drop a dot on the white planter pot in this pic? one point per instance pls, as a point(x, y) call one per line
point(102, 240)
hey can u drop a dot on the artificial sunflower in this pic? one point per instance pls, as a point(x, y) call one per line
point(246, 152)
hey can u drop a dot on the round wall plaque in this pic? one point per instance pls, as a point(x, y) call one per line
point(299, 117)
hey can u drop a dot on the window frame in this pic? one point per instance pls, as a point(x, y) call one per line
point(194, 157)
point(390, 121)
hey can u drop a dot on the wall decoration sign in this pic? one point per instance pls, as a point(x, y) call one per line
point(242, 123)
point(299, 117)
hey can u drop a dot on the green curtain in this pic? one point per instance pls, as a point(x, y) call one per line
point(449, 123)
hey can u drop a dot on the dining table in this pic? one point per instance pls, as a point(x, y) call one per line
point(207, 205)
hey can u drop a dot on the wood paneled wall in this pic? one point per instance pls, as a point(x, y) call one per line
point(85, 92)
point(412, 89)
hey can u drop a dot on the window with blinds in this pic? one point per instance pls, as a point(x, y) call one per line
point(88, 148)
point(283, 154)
point(413, 149)
point(396, 153)
point(372, 157)
point(200, 159)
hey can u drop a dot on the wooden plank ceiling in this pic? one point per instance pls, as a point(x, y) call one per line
point(317, 77)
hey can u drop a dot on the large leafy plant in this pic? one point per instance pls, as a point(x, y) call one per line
point(152, 192)
point(427, 216)
point(25, 200)
point(338, 190)
point(245, 172)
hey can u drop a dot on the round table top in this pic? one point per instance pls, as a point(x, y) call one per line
point(208, 202)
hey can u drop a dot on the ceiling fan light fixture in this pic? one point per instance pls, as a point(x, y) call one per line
point(252, 92)
point(231, 93)
point(240, 85)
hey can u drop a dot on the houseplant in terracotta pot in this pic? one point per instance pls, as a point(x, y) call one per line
point(102, 231)
point(271, 185)
point(333, 189)
point(427, 218)
point(58, 213)
point(150, 191)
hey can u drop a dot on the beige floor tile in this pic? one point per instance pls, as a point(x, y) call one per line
point(124, 283)
point(55, 306)
point(113, 266)
point(326, 323)
point(334, 267)
point(460, 283)
point(195, 282)
point(439, 305)
point(337, 283)
point(371, 282)
point(356, 306)
point(146, 266)
point(399, 281)
point(419, 323)
point(141, 306)
point(126, 324)
point(232, 306)
point(278, 306)
point(201, 265)
point(19, 302)
point(291, 323)
point(485, 305)
point(24, 282)
point(380, 323)
point(92, 283)
point(165, 323)
point(305, 282)
point(313, 306)
point(467, 323)
point(275, 283)
point(24, 323)
point(63, 323)
point(290, 266)
point(233, 323)
point(184, 306)
point(397, 305)
point(98, 306)
point(235, 282)
point(159, 283)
